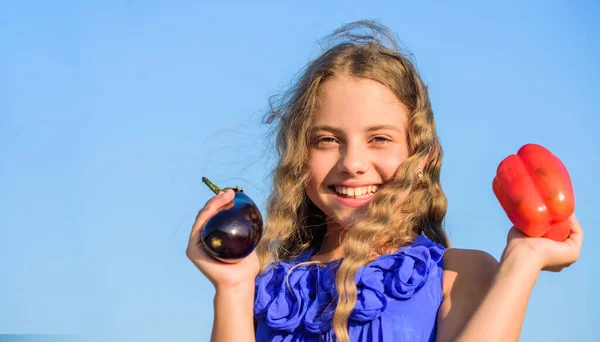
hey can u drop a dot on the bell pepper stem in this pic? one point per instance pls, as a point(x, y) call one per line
point(211, 185)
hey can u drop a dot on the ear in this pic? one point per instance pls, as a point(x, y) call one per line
point(424, 161)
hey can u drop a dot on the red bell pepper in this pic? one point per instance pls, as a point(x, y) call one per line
point(534, 189)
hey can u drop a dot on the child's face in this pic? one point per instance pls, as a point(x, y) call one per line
point(358, 144)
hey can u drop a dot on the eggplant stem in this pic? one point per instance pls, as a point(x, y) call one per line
point(211, 185)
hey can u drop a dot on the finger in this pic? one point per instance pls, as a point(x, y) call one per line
point(568, 252)
point(211, 207)
point(195, 250)
point(216, 202)
point(554, 269)
point(514, 233)
point(207, 210)
point(576, 231)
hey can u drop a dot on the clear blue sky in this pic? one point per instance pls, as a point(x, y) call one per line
point(111, 112)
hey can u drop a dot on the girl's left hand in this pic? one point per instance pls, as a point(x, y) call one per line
point(548, 254)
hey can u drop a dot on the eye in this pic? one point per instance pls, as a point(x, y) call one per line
point(381, 139)
point(324, 141)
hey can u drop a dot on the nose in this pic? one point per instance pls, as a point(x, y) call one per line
point(354, 160)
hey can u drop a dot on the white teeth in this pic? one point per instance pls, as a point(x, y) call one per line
point(358, 192)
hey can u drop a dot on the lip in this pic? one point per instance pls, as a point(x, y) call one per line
point(354, 184)
point(351, 202)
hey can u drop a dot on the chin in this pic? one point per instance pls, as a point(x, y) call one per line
point(347, 218)
point(337, 212)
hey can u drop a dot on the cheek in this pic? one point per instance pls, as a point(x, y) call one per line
point(313, 181)
point(314, 184)
point(389, 164)
point(319, 168)
point(314, 196)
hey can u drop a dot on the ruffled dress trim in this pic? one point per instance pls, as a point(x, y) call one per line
point(308, 297)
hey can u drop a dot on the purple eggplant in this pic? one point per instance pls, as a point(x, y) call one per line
point(233, 233)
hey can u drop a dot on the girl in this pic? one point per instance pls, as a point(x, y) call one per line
point(354, 248)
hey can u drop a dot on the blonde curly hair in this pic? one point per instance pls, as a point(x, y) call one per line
point(400, 211)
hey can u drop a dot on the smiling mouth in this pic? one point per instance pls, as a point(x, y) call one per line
point(355, 192)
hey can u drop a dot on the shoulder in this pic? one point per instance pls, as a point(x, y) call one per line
point(467, 268)
point(468, 275)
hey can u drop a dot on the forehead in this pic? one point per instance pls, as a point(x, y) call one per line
point(355, 103)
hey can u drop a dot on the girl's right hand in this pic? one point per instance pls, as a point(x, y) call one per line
point(221, 275)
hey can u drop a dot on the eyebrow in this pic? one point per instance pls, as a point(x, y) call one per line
point(369, 129)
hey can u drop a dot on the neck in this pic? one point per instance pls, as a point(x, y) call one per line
point(331, 248)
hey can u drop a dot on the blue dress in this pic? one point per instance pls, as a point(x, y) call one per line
point(398, 297)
